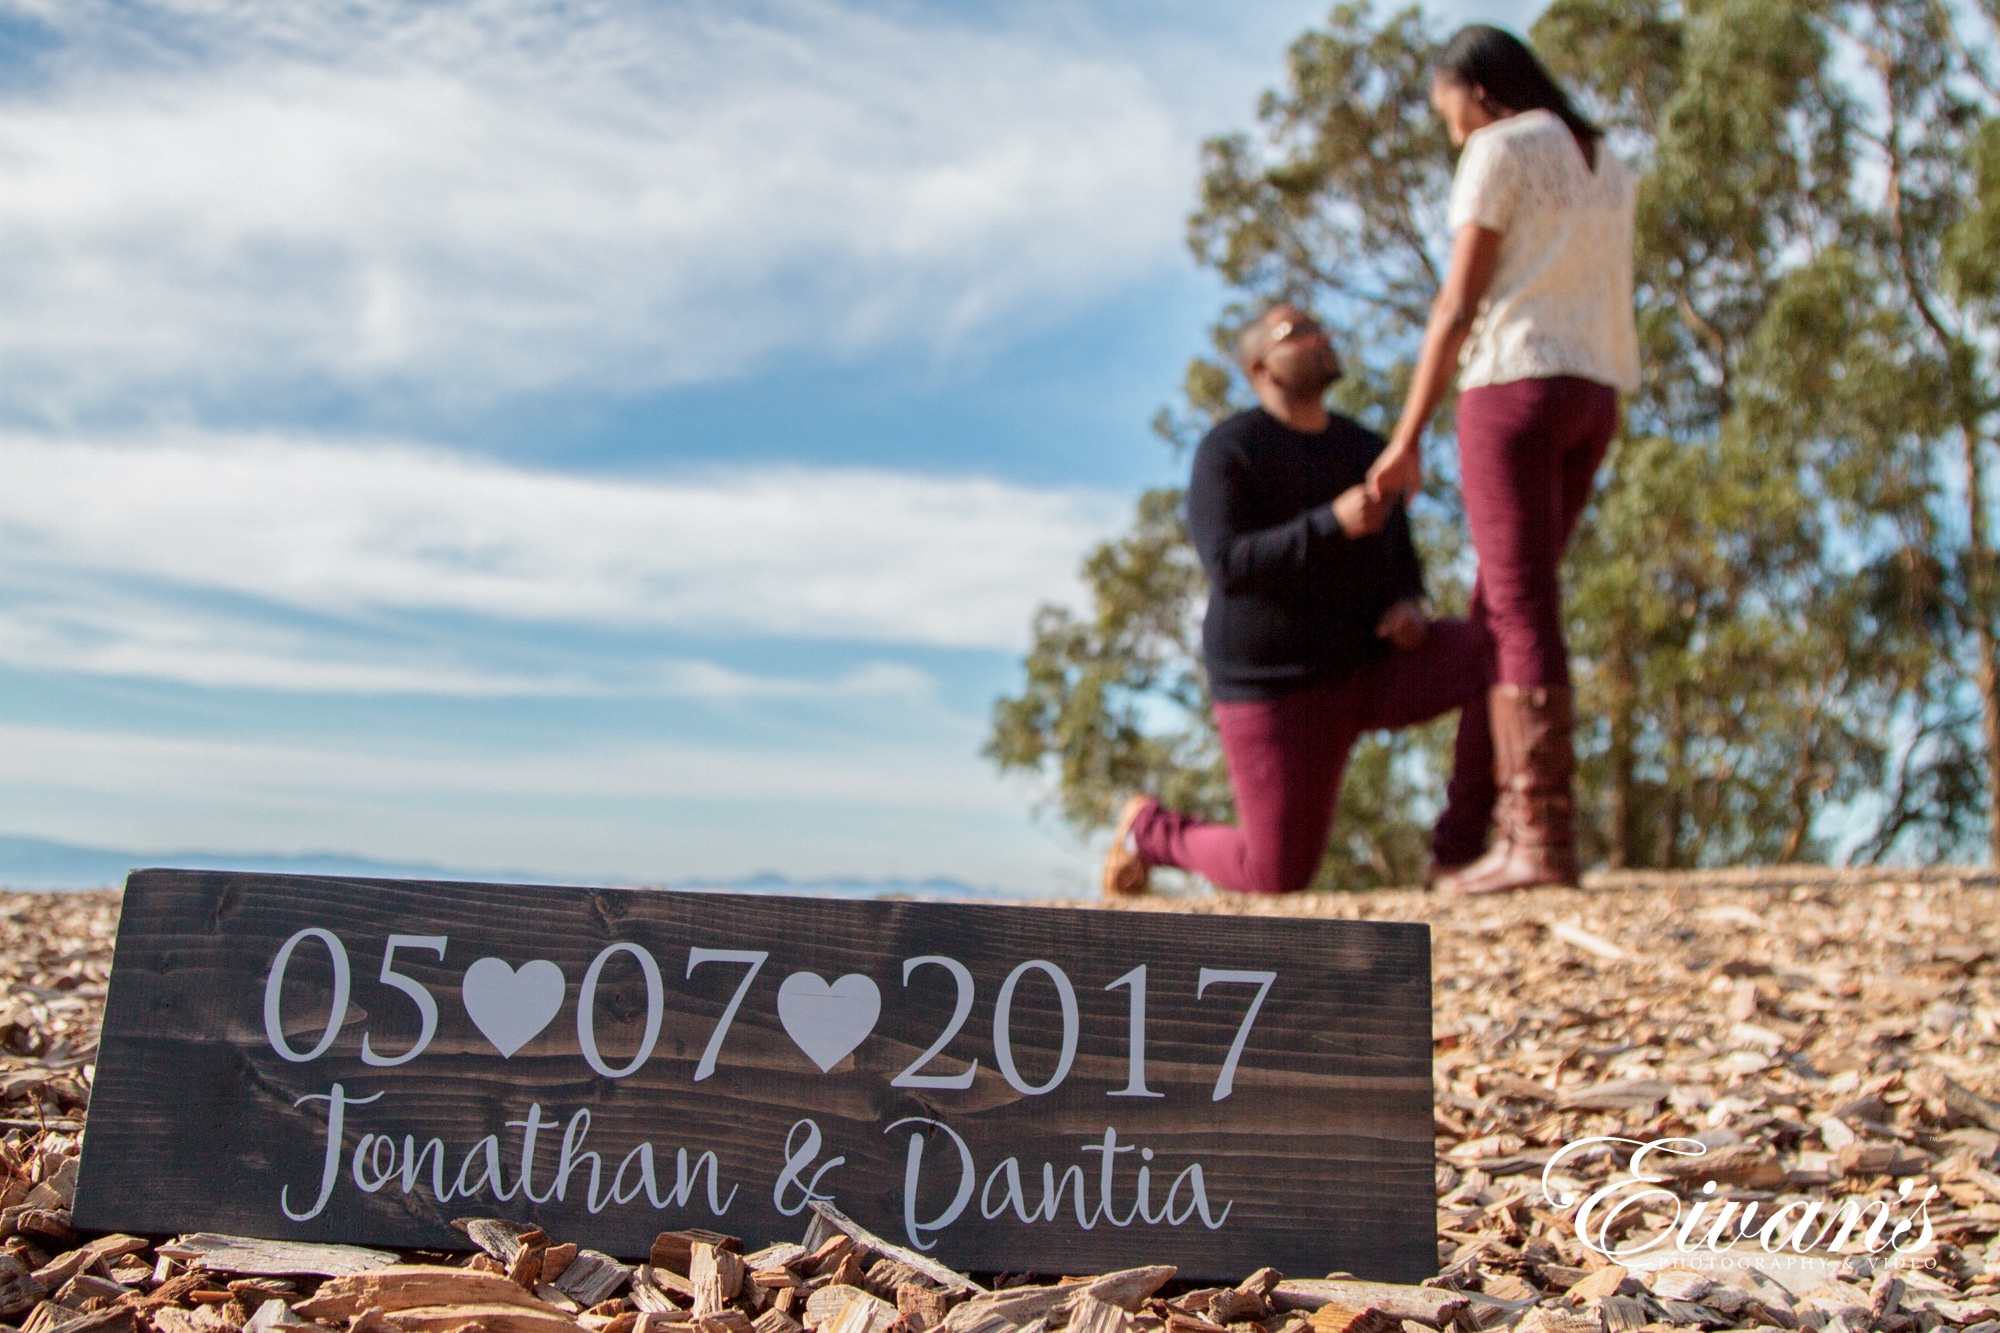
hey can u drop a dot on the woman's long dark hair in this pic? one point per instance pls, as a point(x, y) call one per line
point(1479, 55)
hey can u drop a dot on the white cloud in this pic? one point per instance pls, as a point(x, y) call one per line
point(284, 562)
point(651, 809)
point(95, 631)
point(299, 778)
point(480, 198)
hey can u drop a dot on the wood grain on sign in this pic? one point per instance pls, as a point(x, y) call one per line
point(994, 1087)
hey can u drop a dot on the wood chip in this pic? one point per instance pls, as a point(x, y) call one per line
point(245, 1254)
point(1509, 1287)
point(170, 1320)
point(592, 1276)
point(526, 1270)
point(783, 1254)
point(651, 1292)
point(98, 1321)
point(1680, 1284)
point(1955, 1099)
point(549, 1294)
point(885, 1275)
point(930, 1268)
point(717, 1276)
point(1128, 1288)
point(1424, 1304)
point(824, 1257)
point(863, 1314)
point(850, 1271)
point(1606, 1281)
point(407, 1286)
point(1589, 943)
point(1616, 1095)
point(482, 1318)
point(1622, 1314)
point(923, 1307)
point(65, 1266)
point(502, 1239)
point(19, 1291)
point(675, 1249)
point(823, 1305)
point(1017, 1307)
point(1750, 1165)
point(1233, 1306)
point(274, 1313)
point(556, 1258)
point(668, 1280)
point(1087, 1314)
point(1866, 1159)
point(1341, 1319)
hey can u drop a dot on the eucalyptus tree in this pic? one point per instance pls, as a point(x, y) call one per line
point(1782, 601)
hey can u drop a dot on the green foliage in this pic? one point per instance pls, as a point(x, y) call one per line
point(1117, 704)
point(1972, 248)
point(1781, 601)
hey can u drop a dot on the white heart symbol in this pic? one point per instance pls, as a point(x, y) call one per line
point(511, 1007)
point(828, 1021)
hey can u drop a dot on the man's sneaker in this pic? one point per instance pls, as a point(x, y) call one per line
point(1125, 874)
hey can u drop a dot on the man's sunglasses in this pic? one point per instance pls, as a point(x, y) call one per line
point(1286, 329)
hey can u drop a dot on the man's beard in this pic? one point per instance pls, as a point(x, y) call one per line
point(1309, 376)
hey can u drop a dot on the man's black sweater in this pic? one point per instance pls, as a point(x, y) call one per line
point(1292, 599)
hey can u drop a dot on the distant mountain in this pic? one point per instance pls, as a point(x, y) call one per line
point(37, 863)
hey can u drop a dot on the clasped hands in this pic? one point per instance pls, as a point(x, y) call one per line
point(1394, 476)
point(1360, 513)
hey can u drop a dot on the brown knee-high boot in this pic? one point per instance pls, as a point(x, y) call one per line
point(1534, 821)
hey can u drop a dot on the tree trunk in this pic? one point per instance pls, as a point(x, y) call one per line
point(1981, 586)
point(1979, 598)
point(1619, 851)
point(1678, 781)
point(1989, 698)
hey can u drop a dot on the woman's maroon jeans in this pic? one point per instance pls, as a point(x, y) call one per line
point(1527, 453)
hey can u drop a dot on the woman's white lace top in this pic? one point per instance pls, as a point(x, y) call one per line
point(1561, 299)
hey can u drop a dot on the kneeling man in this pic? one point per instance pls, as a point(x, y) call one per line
point(1316, 632)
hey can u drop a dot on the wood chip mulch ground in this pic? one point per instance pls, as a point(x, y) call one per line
point(1828, 1037)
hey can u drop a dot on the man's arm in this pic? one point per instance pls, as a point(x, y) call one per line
point(1407, 621)
point(1236, 556)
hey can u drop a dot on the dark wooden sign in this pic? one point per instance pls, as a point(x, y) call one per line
point(1020, 1088)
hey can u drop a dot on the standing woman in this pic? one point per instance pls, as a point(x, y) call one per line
point(1536, 317)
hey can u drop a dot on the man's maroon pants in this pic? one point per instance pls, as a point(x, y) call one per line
point(1286, 757)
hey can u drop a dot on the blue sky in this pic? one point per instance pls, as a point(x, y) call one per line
point(595, 439)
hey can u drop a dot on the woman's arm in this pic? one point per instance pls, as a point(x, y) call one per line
point(1475, 251)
